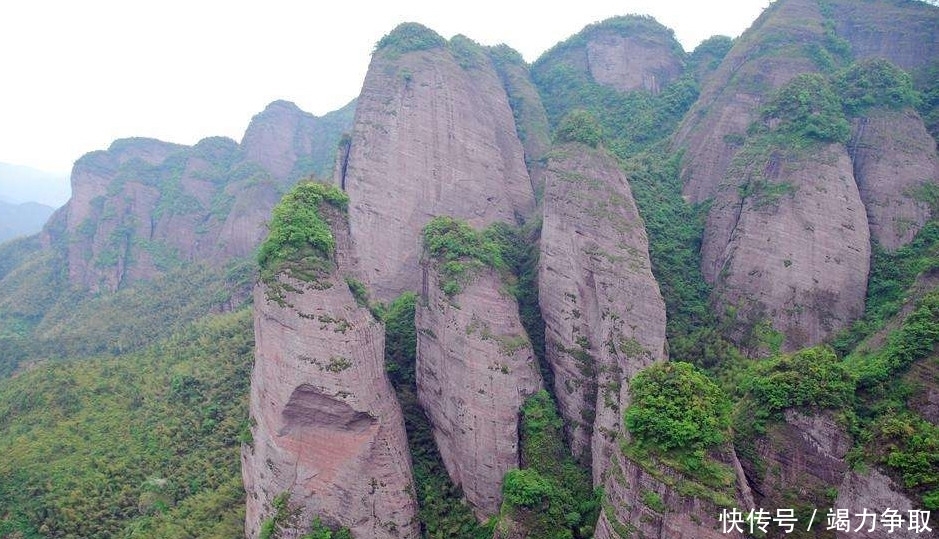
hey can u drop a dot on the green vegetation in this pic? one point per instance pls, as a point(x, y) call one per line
point(914, 340)
point(675, 406)
point(807, 107)
point(875, 83)
point(580, 126)
point(409, 37)
point(460, 252)
point(810, 378)
point(300, 242)
point(141, 445)
point(552, 496)
point(891, 275)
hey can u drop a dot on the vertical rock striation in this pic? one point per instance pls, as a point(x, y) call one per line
point(604, 315)
point(433, 135)
point(293, 144)
point(328, 431)
point(787, 242)
point(894, 157)
point(475, 367)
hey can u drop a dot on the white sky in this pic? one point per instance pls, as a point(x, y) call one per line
point(78, 74)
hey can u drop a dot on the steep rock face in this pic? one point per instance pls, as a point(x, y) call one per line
point(906, 33)
point(792, 245)
point(802, 458)
point(144, 207)
point(433, 135)
point(641, 504)
point(875, 491)
point(625, 53)
point(475, 367)
point(893, 157)
point(291, 143)
point(328, 430)
point(632, 62)
point(604, 315)
point(769, 54)
point(531, 121)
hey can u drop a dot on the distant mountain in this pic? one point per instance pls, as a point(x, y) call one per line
point(19, 184)
point(22, 219)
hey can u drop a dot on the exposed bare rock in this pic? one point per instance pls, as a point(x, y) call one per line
point(475, 367)
point(787, 241)
point(327, 430)
point(293, 144)
point(531, 121)
point(768, 55)
point(604, 315)
point(894, 157)
point(906, 33)
point(642, 504)
point(797, 462)
point(802, 459)
point(625, 53)
point(875, 492)
point(434, 135)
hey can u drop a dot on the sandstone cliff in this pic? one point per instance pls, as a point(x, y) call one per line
point(327, 429)
point(292, 144)
point(893, 158)
point(475, 367)
point(433, 135)
point(531, 121)
point(792, 246)
point(604, 315)
point(624, 53)
point(769, 54)
point(143, 206)
point(658, 502)
point(800, 464)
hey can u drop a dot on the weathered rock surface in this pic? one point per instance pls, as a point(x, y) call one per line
point(641, 504)
point(531, 121)
point(906, 33)
point(625, 53)
point(801, 459)
point(292, 144)
point(604, 315)
point(792, 245)
point(433, 135)
point(893, 157)
point(768, 55)
point(328, 430)
point(144, 206)
point(875, 492)
point(475, 367)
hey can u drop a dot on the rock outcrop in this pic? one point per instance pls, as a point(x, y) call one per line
point(327, 429)
point(787, 242)
point(643, 502)
point(894, 158)
point(531, 120)
point(433, 135)
point(768, 55)
point(475, 367)
point(144, 206)
point(905, 33)
point(604, 315)
point(292, 144)
point(800, 462)
point(624, 53)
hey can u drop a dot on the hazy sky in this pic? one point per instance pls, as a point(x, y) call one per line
point(78, 74)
